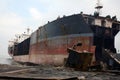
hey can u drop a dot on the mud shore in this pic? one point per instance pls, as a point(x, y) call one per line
point(42, 72)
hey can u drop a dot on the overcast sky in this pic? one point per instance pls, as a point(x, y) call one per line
point(17, 15)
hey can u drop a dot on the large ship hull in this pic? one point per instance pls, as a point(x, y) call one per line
point(49, 43)
point(54, 51)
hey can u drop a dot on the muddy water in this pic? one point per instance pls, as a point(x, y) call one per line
point(8, 61)
point(50, 71)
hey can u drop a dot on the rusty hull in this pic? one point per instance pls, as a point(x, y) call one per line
point(54, 51)
point(79, 60)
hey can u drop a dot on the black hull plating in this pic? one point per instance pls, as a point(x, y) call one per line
point(22, 48)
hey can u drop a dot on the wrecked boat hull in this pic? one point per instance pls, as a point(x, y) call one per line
point(54, 51)
point(49, 43)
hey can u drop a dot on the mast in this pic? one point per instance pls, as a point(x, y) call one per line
point(28, 31)
point(98, 7)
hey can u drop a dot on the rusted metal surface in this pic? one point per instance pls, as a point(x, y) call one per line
point(54, 50)
point(79, 60)
point(22, 58)
point(33, 37)
point(59, 45)
point(56, 60)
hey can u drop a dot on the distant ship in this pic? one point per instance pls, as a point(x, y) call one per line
point(49, 43)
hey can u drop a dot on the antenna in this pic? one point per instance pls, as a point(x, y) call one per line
point(99, 7)
point(28, 30)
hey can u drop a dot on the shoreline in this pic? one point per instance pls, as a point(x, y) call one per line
point(43, 72)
